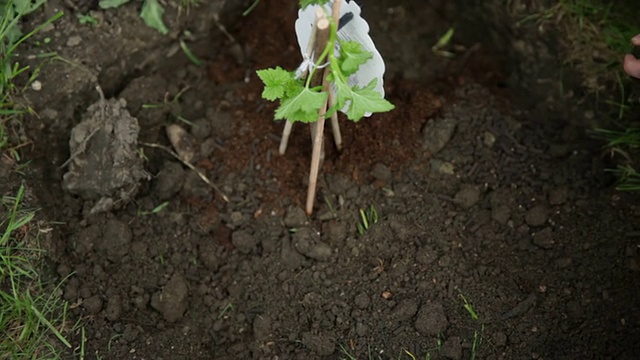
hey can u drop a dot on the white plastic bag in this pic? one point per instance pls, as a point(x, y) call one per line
point(356, 29)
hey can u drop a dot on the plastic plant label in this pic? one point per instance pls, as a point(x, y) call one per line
point(351, 26)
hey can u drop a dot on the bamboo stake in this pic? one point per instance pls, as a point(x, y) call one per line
point(323, 29)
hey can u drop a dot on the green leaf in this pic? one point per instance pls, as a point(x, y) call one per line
point(362, 100)
point(152, 15)
point(352, 55)
point(305, 3)
point(276, 82)
point(109, 4)
point(303, 105)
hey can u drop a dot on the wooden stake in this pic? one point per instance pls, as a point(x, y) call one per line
point(322, 30)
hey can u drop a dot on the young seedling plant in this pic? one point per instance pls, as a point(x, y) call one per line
point(341, 71)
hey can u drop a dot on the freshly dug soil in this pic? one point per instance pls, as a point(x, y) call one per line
point(498, 233)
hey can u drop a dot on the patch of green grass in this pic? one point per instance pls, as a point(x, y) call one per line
point(593, 35)
point(32, 320)
point(624, 145)
point(368, 217)
point(477, 333)
point(11, 37)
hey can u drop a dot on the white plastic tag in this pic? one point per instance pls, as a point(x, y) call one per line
point(352, 27)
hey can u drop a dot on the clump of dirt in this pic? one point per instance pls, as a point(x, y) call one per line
point(496, 235)
point(104, 164)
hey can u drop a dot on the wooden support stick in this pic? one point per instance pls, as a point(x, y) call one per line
point(284, 140)
point(323, 29)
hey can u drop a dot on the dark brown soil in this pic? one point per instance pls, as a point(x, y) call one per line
point(488, 195)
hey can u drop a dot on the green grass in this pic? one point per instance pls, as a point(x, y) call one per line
point(11, 37)
point(32, 316)
point(594, 35)
point(32, 319)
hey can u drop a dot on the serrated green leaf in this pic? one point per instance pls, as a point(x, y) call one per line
point(276, 82)
point(302, 106)
point(109, 4)
point(305, 3)
point(362, 100)
point(352, 55)
point(152, 15)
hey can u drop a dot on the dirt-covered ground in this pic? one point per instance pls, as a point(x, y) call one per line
point(489, 192)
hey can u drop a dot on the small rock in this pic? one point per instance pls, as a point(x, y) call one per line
point(339, 183)
point(93, 305)
point(114, 308)
point(431, 320)
point(426, 255)
point(558, 196)
point(307, 242)
point(321, 344)
point(439, 167)
point(262, 328)
point(381, 172)
point(544, 238)
point(335, 231)
point(74, 40)
point(171, 302)
point(499, 339)
point(536, 216)
point(437, 133)
point(362, 301)
point(404, 311)
point(488, 139)
point(467, 196)
point(169, 181)
point(452, 348)
point(501, 214)
point(201, 129)
point(290, 257)
point(295, 217)
point(208, 257)
point(243, 241)
point(114, 243)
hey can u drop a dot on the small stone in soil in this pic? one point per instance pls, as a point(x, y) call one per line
point(362, 301)
point(452, 348)
point(93, 305)
point(171, 301)
point(544, 238)
point(307, 242)
point(404, 311)
point(243, 241)
point(169, 181)
point(467, 196)
point(437, 133)
point(558, 196)
point(115, 239)
point(536, 216)
point(381, 172)
point(431, 320)
point(114, 308)
point(501, 214)
point(295, 217)
point(262, 328)
point(321, 344)
point(289, 255)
